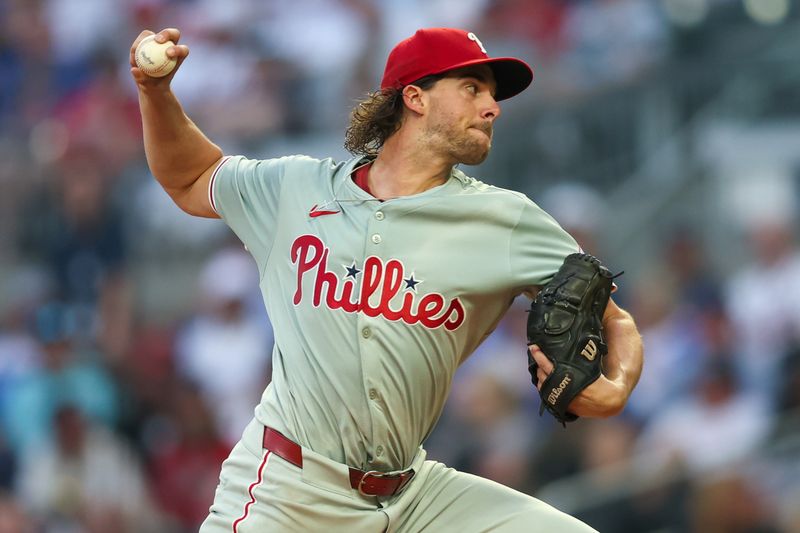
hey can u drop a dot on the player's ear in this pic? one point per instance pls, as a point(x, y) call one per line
point(415, 99)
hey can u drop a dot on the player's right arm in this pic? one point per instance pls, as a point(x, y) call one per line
point(179, 155)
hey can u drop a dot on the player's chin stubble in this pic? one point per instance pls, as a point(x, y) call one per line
point(471, 151)
point(465, 147)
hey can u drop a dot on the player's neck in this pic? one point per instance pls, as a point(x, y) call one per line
point(402, 169)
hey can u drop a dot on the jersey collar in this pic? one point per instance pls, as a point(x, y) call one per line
point(347, 189)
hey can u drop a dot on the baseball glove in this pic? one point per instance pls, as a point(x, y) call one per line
point(566, 322)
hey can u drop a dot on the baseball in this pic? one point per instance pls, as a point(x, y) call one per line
point(151, 57)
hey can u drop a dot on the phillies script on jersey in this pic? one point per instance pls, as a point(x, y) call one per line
point(386, 278)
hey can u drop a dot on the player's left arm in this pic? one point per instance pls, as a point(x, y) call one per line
point(622, 367)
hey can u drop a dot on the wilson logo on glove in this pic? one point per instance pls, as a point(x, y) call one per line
point(590, 350)
point(555, 393)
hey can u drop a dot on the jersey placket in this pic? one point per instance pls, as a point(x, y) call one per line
point(369, 332)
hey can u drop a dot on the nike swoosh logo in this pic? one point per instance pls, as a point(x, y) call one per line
point(313, 213)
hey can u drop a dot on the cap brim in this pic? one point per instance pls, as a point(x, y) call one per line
point(511, 74)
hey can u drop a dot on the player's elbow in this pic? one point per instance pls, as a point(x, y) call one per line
point(190, 201)
point(189, 188)
point(608, 410)
point(613, 409)
point(613, 404)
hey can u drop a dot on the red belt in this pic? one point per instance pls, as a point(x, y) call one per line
point(372, 483)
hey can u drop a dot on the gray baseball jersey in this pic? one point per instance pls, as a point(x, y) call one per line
point(375, 304)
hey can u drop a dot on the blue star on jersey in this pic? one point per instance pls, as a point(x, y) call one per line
point(412, 283)
point(352, 271)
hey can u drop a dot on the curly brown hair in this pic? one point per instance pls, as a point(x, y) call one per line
point(377, 117)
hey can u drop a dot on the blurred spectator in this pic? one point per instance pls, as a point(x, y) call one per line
point(146, 380)
point(763, 304)
point(70, 374)
point(163, 229)
point(502, 431)
point(13, 518)
point(225, 349)
point(336, 35)
point(673, 338)
point(100, 105)
point(8, 465)
point(730, 504)
point(699, 289)
point(682, 322)
point(185, 468)
point(503, 353)
point(774, 473)
point(86, 480)
point(250, 95)
point(71, 46)
point(20, 358)
point(616, 500)
point(607, 447)
point(557, 455)
point(718, 425)
point(26, 87)
point(540, 23)
point(256, 111)
point(20, 353)
point(579, 210)
point(613, 40)
point(80, 239)
point(788, 395)
point(217, 102)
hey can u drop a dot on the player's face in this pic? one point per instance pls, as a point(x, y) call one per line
point(462, 114)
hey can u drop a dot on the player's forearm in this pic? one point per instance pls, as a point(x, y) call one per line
point(622, 367)
point(177, 151)
point(623, 363)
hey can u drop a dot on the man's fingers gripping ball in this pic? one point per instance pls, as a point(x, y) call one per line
point(152, 58)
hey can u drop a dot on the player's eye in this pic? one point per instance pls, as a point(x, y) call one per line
point(471, 87)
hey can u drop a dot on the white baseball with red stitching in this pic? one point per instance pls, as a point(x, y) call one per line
point(151, 57)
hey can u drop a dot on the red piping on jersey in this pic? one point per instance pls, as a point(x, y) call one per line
point(250, 491)
point(211, 183)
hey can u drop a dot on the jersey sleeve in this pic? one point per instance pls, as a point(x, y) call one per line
point(246, 194)
point(538, 247)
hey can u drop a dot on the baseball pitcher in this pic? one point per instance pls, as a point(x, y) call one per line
point(381, 274)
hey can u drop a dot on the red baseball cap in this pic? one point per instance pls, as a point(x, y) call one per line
point(437, 50)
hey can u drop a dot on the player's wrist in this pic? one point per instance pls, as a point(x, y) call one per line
point(154, 90)
point(602, 399)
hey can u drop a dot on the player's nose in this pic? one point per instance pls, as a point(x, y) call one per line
point(491, 109)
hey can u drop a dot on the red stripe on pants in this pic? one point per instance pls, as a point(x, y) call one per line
point(251, 489)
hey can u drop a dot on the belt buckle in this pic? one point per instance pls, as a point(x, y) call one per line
point(371, 473)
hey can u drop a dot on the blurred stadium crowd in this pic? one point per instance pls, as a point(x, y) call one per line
point(134, 344)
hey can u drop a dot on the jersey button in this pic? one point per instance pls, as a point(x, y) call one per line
point(376, 239)
point(379, 451)
point(366, 333)
point(379, 215)
point(373, 394)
